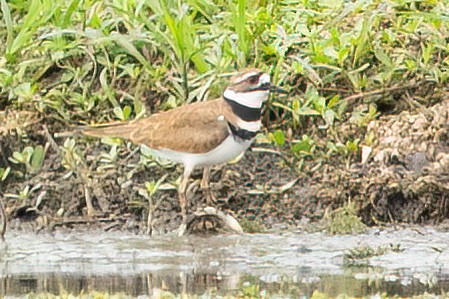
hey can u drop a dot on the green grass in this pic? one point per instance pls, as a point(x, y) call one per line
point(77, 62)
point(108, 53)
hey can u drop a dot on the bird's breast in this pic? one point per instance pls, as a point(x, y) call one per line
point(228, 150)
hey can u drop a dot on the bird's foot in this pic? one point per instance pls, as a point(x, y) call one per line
point(211, 199)
point(212, 221)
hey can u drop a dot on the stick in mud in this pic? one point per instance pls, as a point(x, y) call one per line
point(2, 221)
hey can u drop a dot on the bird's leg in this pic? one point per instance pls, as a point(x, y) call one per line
point(182, 193)
point(205, 186)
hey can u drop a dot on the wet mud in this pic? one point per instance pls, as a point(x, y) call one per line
point(399, 175)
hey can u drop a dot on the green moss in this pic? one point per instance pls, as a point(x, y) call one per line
point(252, 226)
point(343, 221)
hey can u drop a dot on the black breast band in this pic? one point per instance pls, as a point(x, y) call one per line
point(244, 112)
point(241, 133)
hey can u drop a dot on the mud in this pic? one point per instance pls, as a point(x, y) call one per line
point(402, 174)
point(120, 201)
point(399, 175)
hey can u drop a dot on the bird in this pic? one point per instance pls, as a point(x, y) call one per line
point(200, 134)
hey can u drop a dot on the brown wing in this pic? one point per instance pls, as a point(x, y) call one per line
point(195, 128)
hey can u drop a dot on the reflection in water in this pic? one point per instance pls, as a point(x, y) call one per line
point(200, 284)
point(291, 264)
point(144, 284)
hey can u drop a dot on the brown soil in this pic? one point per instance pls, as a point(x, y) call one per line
point(402, 177)
point(119, 204)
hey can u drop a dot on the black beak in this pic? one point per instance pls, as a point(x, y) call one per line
point(272, 88)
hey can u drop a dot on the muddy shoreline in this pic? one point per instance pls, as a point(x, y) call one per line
point(398, 176)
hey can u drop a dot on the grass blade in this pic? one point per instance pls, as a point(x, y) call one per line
point(8, 22)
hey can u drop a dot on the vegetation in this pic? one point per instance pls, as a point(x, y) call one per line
point(253, 226)
point(359, 256)
point(67, 63)
point(344, 220)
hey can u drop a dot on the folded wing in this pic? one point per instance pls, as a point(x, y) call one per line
point(195, 128)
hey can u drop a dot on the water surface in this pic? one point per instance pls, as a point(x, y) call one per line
point(290, 264)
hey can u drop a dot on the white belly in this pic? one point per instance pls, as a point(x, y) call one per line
point(226, 151)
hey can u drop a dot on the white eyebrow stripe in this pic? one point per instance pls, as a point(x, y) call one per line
point(246, 76)
point(265, 78)
point(253, 99)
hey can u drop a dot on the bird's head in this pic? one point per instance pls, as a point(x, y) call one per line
point(250, 88)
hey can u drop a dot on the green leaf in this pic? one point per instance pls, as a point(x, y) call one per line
point(361, 43)
point(107, 88)
point(20, 41)
point(69, 12)
point(279, 137)
point(329, 117)
point(139, 107)
point(24, 193)
point(319, 103)
point(8, 22)
point(304, 146)
point(239, 19)
point(307, 111)
point(119, 113)
point(17, 158)
point(33, 16)
point(37, 158)
point(333, 101)
point(24, 91)
point(372, 111)
point(330, 52)
point(27, 153)
point(352, 146)
point(4, 172)
point(126, 112)
point(383, 57)
point(427, 51)
point(126, 43)
point(150, 187)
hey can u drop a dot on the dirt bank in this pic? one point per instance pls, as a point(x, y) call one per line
point(400, 175)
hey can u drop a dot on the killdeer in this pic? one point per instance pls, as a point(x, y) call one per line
point(201, 134)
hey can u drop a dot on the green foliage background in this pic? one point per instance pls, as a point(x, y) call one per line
point(72, 59)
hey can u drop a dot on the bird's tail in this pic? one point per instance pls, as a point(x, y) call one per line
point(118, 129)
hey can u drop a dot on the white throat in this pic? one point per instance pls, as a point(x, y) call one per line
point(253, 99)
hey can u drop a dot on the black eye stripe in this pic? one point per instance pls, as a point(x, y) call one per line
point(254, 78)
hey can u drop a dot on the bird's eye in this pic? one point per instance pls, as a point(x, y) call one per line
point(253, 79)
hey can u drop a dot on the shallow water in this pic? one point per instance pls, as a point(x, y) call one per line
point(284, 264)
